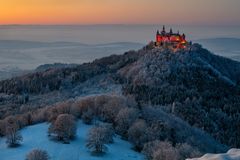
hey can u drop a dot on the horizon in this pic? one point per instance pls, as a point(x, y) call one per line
point(123, 24)
point(134, 12)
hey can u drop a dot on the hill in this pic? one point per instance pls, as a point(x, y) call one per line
point(192, 95)
point(196, 85)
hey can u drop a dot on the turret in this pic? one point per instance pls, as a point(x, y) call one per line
point(171, 31)
point(163, 31)
point(158, 36)
point(183, 36)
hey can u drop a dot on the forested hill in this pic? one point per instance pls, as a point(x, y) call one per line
point(193, 84)
point(153, 63)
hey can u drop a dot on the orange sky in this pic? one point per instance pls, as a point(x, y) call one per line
point(120, 12)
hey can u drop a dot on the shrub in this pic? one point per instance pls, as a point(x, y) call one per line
point(37, 154)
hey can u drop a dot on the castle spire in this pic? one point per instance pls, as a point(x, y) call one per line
point(184, 36)
point(163, 29)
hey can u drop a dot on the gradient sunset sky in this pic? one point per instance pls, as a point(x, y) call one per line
point(188, 12)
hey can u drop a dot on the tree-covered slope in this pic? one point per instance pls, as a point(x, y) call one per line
point(196, 85)
point(192, 84)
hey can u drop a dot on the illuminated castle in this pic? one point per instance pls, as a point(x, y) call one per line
point(175, 39)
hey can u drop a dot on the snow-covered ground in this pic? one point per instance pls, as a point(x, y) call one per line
point(232, 154)
point(36, 137)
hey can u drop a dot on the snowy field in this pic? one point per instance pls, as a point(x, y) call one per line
point(36, 137)
point(232, 154)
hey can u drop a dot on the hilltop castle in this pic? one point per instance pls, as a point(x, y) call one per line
point(175, 39)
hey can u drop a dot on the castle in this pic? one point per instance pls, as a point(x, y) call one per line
point(174, 39)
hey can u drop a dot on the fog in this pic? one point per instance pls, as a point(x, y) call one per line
point(26, 47)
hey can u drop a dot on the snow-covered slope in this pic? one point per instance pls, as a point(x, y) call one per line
point(232, 154)
point(36, 137)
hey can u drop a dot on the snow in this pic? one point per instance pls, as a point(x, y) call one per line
point(232, 154)
point(36, 137)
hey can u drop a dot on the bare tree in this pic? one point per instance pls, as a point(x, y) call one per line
point(159, 150)
point(125, 119)
point(110, 109)
point(187, 151)
point(137, 134)
point(37, 154)
point(2, 128)
point(109, 132)
point(64, 128)
point(97, 139)
point(88, 116)
point(12, 134)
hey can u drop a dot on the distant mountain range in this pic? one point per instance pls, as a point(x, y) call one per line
point(18, 44)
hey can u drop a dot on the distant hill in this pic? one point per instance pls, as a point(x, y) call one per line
point(18, 44)
point(53, 66)
point(228, 47)
point(26, 55)
point(9, 72)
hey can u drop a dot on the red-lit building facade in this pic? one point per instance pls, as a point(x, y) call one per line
point(170, 38)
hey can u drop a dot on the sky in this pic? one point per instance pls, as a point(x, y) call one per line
point(188, 12)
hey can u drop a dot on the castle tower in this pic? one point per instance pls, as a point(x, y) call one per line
point(163, 30)
point(184, 36)
point(171, 31)
point(158, 37)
